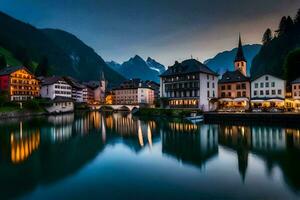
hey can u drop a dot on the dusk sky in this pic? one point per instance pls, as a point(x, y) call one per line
point(166, 30)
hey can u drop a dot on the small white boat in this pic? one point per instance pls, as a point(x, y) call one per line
point(194, 118)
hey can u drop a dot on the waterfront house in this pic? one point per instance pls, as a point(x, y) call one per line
point(189, 84)
point(60, 104)
point(268, 92)
point(234, 86)
point(88, 94)
point(77, 89)
point(98, 88)
point(55, 86)
point(133, 92)
point(295, 86)
point(155, 86)
point(19, 83)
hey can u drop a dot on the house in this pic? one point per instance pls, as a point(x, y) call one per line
point(99, 89)
point(189, 84)
point(55, 86)
point(77, 89)
point(155, 86)
point(295, 85)
point(60, 105)
point(133, 92)
point(234, 86)
point(19, 83)
point(268, 92)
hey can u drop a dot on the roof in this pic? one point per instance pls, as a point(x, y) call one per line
point(253, 79)
point(51, 80)
point(9, 70)
point(188, 66)
point(233, 77)
point(240, 53)
point(296, 81)
point(74, 83)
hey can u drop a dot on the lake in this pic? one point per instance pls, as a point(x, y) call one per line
point(117, 156)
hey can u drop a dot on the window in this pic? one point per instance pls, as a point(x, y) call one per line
point(213, 85)
point(267, 78)
point(261, 92)
point(273, 92)
point(279, 92)
point(267, 92)
point(244, 86)
point(238, 86)
point(208, 94)
point(207, 77)
point(295, 93)
point(255, 93)
point(223, 87)
point(229, 94)
point(273, 84)
point(223, 94)
point(238, 94)
point(228, 87)
point(261, 85)
point(267, 84)
point(244, 93)
point(299, 87)
point(256, 85)
point(295, 87)
point(207, 84)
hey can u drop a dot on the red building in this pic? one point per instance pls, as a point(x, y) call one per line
point(19, 83)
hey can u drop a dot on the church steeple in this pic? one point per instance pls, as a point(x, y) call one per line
point(240, 62)
point(240, 53)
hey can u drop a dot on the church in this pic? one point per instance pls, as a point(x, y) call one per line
point(234, 88)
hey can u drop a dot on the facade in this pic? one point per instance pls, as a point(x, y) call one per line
point(99, 89)
point(60, 105)
point(295, 101)
point(268, 92)
point(88, 95)
point(77, 89)
point(20, 83)
point(133, 92)
point(55, 86)
point(155, 86)
point(234, 86)
point(189, 84)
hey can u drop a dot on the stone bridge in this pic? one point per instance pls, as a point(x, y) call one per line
point(129, 108)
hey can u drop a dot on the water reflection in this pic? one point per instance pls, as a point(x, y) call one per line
point(46, 150)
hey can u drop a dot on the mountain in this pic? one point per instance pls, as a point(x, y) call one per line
point(114, 65)
point(67, 55)
point(154, 65)
point(137, 67)
point(224, 61)
point(272, 56)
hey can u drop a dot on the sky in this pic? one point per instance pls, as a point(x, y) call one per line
point(166, 30)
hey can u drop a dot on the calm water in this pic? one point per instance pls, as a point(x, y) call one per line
point(116, 156)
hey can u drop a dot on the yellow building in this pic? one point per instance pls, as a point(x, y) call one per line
point(20, 83)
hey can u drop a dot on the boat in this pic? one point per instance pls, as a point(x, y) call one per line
point(194, 118)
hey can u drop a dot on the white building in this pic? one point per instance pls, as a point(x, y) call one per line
point(55, 86)
point(77, 89)
point(268, 91)
point(189, 84)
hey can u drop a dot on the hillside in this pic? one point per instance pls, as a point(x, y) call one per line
point(10, 59)
point(273, 53)
point(67, 55)
point(224, 61)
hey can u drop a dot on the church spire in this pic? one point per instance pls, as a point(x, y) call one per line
point(240, 53)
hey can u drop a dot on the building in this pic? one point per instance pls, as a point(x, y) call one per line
point(98, 88)
point(295, 101)
point(55, 86)
point(133, 92)
point(60, 105)
point(155, 86)
point(234, 86)
point(88, 94)
point(20, 83)
point(268, 92)
point(189, 84)
point(77, 89)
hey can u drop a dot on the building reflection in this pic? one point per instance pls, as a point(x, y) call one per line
point(60, 127)
point(189, 143)
point(23, 143)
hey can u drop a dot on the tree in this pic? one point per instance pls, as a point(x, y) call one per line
point(267, 37)
point(297, 18)
point(282, 26)
point(43, 67)
point(291, 65)
point(3, 62)
point(289, 24)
